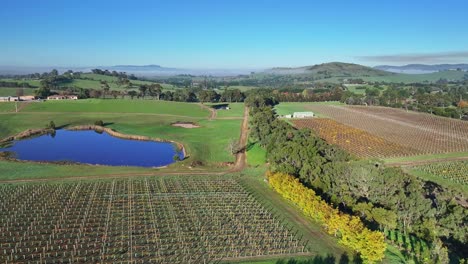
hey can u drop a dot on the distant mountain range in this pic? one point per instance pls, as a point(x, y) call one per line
point(422, 68)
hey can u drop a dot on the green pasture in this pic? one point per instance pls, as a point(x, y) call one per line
point(119, 106)
point(8, 91)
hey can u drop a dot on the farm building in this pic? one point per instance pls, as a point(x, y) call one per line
point(8, 99)
point(27, 98)
point(62, 97)
point(302, 114)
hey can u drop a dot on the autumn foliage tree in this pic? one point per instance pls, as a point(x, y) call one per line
point(349, 229)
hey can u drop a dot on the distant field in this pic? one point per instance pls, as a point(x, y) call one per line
point(119, 106)
point(291, 107)
point(240, 87)
point(424, 133)
point(454, 171)
point(7, 91)
point(354, 88)
point(427, 77)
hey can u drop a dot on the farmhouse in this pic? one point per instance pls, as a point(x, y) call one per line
point(302, 114)
point(62, 97)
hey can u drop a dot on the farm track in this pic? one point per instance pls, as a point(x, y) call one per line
point(239, 164)
point(211, 110)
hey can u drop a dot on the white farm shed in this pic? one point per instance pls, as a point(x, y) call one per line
point(303, 114)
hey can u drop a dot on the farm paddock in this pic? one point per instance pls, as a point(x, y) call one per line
point(356, 141)
point(424, 133)
point(165, 220)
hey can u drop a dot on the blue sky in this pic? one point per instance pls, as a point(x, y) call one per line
point(232, 34)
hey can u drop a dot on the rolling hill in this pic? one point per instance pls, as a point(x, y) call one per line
point(331, 69)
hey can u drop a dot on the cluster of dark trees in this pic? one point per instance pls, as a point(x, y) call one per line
point(385, 198)
point(122, 75)
point(441, 99)
point(14, 84)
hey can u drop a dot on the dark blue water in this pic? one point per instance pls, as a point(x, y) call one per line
point(94, 148)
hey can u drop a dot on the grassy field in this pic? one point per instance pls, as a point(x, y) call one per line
point(7, 106)
point(353, 88)
point(7, 91)
point(291, 107)
point(154, 121)
point(256, 155)
point(412, 78)
point(119, 106)
point(426, 157)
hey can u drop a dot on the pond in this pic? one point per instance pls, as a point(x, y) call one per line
point(92, 147)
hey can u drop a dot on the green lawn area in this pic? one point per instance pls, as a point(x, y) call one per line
point(120, 106)
point(28, 170)
point(291, 107)
point(256, 155)
point(7, 106)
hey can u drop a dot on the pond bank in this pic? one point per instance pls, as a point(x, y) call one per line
point(28, 133)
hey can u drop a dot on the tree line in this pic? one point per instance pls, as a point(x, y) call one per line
point(384, 198)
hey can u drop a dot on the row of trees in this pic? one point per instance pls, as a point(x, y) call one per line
point(122, 75)
point(349, 229)
point(385, 198)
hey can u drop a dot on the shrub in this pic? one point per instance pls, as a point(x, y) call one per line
point(98, 123)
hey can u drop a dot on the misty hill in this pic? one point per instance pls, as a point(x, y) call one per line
point(422, 68)
point(332, 69)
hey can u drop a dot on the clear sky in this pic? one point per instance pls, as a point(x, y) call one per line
point(232, 34)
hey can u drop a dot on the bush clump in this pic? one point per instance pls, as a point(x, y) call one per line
point(98, 123)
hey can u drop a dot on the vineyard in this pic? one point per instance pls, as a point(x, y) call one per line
point(455, 171)
point(418, 132)
point(162, 220)
point(355, 141)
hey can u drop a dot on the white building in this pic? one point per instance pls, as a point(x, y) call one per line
point(303, 114)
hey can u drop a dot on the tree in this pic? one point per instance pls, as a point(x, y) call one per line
point(143, 89)
point(115, 93)
point(233, 146)
point(132, 94)
point(105, 88)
